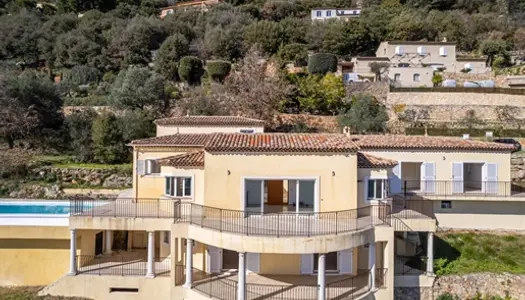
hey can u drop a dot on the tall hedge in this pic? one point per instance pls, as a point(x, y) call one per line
point(191, 70)
point(322, 63)
point(218, 69)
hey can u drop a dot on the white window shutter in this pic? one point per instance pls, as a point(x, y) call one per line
point(141, 167)
point(395, 179)
point(346, 259)
point(365, 188)
point(430, 177)
point(307, 263)
point(253, 261)
point(491, 178)
point(457, 177)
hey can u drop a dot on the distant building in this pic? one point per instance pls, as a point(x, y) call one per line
point(412, 64)
point(337, 13)
point(203, 5)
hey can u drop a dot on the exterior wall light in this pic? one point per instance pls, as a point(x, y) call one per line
point(229, 172)
point(333, 173)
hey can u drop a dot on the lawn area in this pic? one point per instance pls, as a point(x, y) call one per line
point(469, 252)
point(27, 293)
point(65, 161)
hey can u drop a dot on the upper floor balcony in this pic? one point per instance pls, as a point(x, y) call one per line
point(464, 190)
point(248, 223)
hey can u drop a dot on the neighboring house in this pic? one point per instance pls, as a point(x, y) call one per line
point(208, 124)
point(412, 63)
point(335, 13)
point(230, 215)
point(203, 5)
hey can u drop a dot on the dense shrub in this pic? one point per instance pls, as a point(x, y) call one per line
point(296, 53)
point(191, 70)
point(218, 69)
point(108, 141)
point(322, 63)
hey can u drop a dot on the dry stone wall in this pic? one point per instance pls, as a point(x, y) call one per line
point(454, 106)
point(467, 286)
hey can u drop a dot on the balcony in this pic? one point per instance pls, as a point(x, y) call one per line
point(277, 287)
point(123, 264)
point(467, 190)
point(281, 224)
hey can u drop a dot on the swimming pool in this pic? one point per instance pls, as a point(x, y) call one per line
point(34, 209)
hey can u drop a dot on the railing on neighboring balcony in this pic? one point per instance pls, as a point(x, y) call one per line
point(123, 207)
point(217, 288)
point(462, 188)
point(404, 207)
point(278, 292)
point(283, 224)
point(121, 265)
point(410, 265)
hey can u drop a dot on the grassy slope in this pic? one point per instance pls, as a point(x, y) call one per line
point(462, 253)
point(64, 161)
point(27, 293)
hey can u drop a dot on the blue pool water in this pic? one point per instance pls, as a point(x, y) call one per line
point(51, 209)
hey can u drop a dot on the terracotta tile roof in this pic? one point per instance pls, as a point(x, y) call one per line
point(177, 140)
point(279, 142)
point(368, 161)
point(210, 121)
point(191, 159)
point(406, 142)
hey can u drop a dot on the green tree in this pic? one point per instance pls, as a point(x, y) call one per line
point(191, 70)
point(139, 88)
point(437, 79)
point(293, 29)
point(218, 69)
point(80, 75)
point(169, 54)
point(108, 142)
point(409, 25)
point(20, 34)
point(79, 128)
point(224, 42)
point(493, 48)
point(265, 34)
point(296, 53)
point(136, 124)
point(321, 94)
point(365, 115)
point(322, 63)
point(379, 69)
point(276, 10)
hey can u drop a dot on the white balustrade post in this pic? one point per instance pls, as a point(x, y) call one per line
point(372, 265)
point(321, 277)
point(189, 263)
point(241, 284)
point(72, 252)
point(430, 254)
point(109, 242)
point(151, 255)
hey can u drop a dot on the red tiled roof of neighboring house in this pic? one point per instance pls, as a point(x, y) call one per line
point(210, 121)
point(177, 140)
point(406, 142)
point(279, 142)
point(368, 161)
point(191, 159)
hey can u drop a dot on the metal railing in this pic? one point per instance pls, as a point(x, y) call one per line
point(410, 265)
point(132, 265)
point(123, 207)
point(464, 188)
point(222, 288)
point(283, 224)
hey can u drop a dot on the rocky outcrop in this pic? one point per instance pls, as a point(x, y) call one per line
point(108, 178)
point(517, 166)
point(35, 191)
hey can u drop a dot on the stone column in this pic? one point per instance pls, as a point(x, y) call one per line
point(109, 242)
point(430, 254)
point(189, 263)
point(372, 265)
point(72, 252)
point(321, 276)
point(241, 284)
point(151, 255)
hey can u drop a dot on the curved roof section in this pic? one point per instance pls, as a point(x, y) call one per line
point(369, 161)
point(175, 140)
point(191, 159)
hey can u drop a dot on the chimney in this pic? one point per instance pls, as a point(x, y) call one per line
point(466, 136)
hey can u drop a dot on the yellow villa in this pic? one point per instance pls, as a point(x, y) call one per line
point(222, 210)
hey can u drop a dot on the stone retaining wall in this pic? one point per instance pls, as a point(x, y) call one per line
point(467, 286)
point(107, 178)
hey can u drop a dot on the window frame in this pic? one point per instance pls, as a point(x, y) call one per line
point(148, 167)
point(171, 182)
point(397, 77)
point(384, 188)
point(328, 13)
point(319, 14)
point(416, 75)
point(447, 204)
